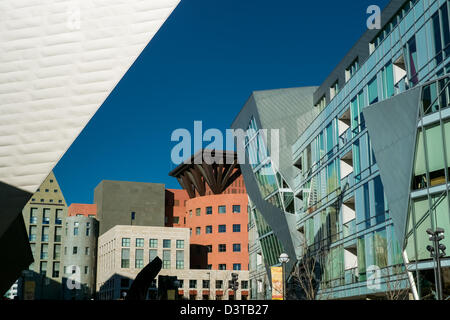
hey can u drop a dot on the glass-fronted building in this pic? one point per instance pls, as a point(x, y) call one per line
point(369, 170)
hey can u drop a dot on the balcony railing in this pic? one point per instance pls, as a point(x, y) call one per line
point(350, 179)
point(401, 86)
point(345, 138)
point(349, 228)
point(351, 275)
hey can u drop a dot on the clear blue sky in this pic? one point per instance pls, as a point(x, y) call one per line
point(203, 65)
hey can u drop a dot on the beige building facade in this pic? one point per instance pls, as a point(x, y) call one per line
point(124, 250)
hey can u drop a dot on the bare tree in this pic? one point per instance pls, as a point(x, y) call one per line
point(306, 273)
point(395, 280)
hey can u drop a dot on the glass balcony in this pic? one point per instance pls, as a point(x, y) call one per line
point(350, 228)
point(345, 138)
point(351, 275)
point(401, 86)
point(350, 179)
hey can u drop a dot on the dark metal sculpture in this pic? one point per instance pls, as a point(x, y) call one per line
point(140, 285)
point(218, 169)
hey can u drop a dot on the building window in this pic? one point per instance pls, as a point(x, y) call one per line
point(58, 216)
point(125, 259)
point(236, 266)
point(44, 251)
point(43, 268)
point(152, 254)
point(75, 231)
point(209, 267)
point(190, 213)
point(125, 242)
point(46, 216)
point(197, 230)
point(180, 259)
point(236, 228)
point(166, 259)
point(222, 266)
point(334, 90)
point(88, 229)
point(32, 233)
point(153, 243)
point(86, 269)
point(219, 284)
point(139, 242)
point(33, 215)
point(222, 247)
point(236, 208)
point(351, 70)
point(74, 250)
point(58, 234)
point(86, 251)
point(180, 244)
point(192, 284)
point(57, 251)
point(244, 284)
point(45, 231)
point(208, 210)
point(222, 228)
point(209, 248)
point(139, 258)
point(208, 229)
point(166, 243)
point(176, 220)
point(205, 284)
point(222, 209)
point(236, 247)
point(197, 212)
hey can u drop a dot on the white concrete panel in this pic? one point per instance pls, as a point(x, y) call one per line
point(59, 61)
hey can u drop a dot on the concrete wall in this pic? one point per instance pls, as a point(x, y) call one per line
point(116, 200)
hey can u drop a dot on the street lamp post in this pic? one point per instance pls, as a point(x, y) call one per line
point(284, 258)
point(437, 251)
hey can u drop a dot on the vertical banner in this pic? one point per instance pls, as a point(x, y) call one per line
point(277, 283)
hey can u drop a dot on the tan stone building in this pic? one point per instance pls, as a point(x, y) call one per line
point(44, 216)
point(124, 250)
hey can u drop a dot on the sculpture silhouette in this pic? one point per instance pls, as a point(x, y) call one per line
point(140, 285)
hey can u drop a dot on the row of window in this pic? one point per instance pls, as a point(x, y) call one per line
point(76, 229)
point(220, 209)
point(153, 253)
point(42, 200)
point(222, 228)
point(45, 216)
point(152, 243)
point(45, 235)
point(223, 247)
point(206, 284)
point(73, 269)
point(87, 250)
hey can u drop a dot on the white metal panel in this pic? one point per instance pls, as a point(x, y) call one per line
point(59, 60)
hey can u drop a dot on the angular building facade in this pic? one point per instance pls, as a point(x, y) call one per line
point(370, 168)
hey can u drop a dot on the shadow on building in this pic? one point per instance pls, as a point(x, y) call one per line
point(198, 256)
point(14, 245)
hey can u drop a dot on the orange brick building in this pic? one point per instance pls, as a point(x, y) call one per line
point(213, 204)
